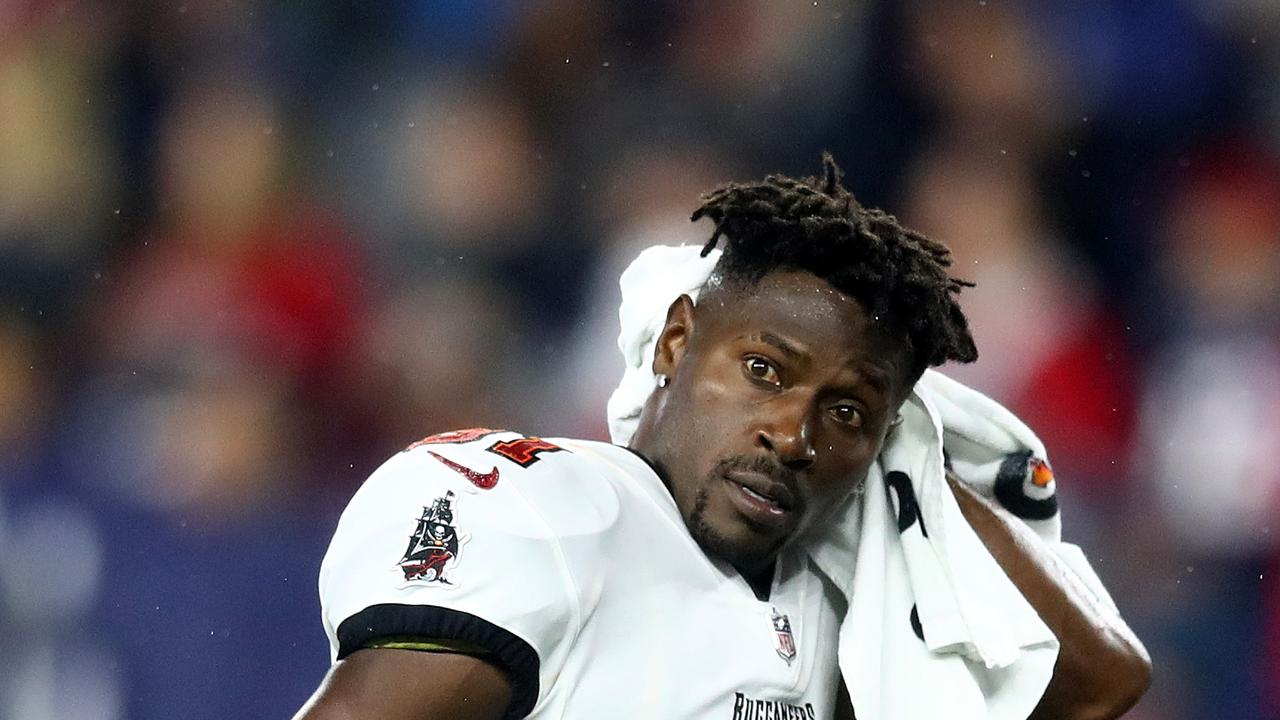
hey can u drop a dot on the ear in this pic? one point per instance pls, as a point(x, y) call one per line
point(675, 336)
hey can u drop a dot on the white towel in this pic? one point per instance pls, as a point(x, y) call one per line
point(652, 281)
point(934, 628)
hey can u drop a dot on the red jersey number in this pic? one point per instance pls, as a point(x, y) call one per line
point(523, 451)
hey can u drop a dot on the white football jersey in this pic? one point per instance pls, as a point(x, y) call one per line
point(567, 563)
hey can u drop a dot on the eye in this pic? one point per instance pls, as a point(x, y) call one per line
point(847, 415)
point(757, 368)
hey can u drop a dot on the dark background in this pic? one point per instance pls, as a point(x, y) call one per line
point(248, 250)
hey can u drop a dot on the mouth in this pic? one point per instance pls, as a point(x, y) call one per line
point(759, 497)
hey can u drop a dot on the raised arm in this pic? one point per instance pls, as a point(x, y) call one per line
point(1102, 667)
point(386, 684)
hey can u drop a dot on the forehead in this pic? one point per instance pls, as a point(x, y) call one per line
point(807, 310)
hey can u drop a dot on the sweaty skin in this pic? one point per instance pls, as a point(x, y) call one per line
point(779, 399)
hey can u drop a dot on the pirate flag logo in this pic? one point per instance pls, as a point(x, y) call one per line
point(433, 546)
point(784, 641)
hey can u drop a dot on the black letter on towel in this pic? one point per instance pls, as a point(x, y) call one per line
point(916, 627)
point(908, 507)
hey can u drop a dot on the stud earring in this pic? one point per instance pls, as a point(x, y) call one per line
point(663, 380)
point(893, 426)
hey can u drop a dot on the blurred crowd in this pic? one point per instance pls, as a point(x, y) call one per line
point(250, 249)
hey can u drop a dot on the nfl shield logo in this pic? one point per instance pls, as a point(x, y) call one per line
point(783, 639)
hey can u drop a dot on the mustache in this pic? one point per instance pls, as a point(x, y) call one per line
point(759, 464)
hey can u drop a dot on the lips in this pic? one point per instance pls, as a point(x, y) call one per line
point(760, 494)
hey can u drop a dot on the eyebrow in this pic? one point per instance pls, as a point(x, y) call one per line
point(875, 376)
point(783, 346)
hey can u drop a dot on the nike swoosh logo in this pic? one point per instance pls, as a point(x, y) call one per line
point(484, 481)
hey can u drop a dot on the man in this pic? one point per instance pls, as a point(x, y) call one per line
point(583, 579)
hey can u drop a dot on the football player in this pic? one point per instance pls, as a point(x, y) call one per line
point(588, 580)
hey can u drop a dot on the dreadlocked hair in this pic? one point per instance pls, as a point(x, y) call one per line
point(814, 224)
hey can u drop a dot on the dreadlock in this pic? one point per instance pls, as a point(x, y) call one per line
point(816, 225)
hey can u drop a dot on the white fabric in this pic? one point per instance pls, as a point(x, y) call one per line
point(986, 653)
point(649, 285)
point(583, 555)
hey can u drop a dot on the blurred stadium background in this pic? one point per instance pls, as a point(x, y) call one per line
point(247, 250)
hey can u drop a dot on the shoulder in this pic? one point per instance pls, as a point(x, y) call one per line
point(574, 486)
point(493, 538)
point(503, 495)
point(476, 468)
point(446, 540)
point(509, 465)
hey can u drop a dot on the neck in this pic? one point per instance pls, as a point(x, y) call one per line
point(648, 460)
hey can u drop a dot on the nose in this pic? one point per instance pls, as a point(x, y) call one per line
point(786, 430)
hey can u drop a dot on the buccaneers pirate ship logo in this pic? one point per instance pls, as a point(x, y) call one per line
point(434, 544)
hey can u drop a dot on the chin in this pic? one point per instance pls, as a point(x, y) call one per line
point(740, 546)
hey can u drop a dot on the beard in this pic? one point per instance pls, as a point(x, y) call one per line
point(748, 559)
point(707, 537)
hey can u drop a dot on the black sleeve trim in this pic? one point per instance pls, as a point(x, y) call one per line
point(509, 652)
